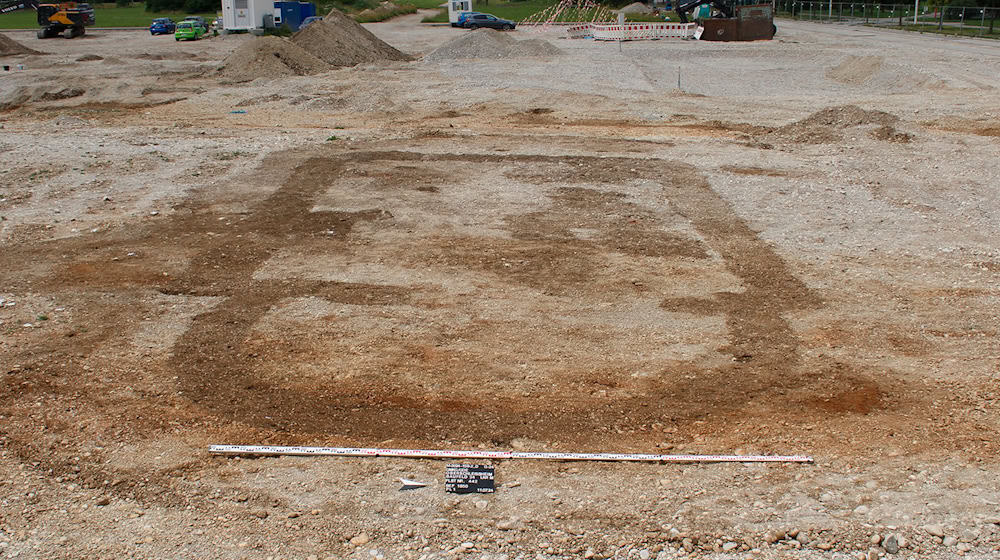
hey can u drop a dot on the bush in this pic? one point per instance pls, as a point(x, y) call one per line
point(201, 6)
point(283, 31)
point(163, 5)
point(383, 13)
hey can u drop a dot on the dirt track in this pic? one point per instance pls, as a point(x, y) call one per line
point(541, 254)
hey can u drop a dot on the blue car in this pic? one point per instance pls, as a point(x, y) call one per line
point(162, 26)
point(475, 21)
point(464, 16)
point(310, 19)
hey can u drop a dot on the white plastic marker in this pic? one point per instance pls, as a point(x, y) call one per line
point(447, 454)
point(411, 484)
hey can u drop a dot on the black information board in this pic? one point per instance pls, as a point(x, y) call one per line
point(469, 479)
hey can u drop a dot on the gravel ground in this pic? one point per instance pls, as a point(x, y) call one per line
point(794, 252)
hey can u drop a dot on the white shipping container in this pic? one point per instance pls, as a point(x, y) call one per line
point(455, 8)
point(245, 15)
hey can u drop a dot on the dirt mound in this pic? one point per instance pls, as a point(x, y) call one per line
point(875, 73)
point(340, 41)
point(488, 43)
point(534, 47)
point(828, 125)
point(10, 47)
point(847, 116)
point(855, 70)
point(269, 57)
point(890, 134)
point(59, 94)
point(89, 58)
point(23, 95)
point(636, 8)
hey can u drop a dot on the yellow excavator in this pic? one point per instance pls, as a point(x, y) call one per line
point(66, 18)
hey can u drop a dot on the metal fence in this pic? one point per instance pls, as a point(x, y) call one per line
point(952, 20)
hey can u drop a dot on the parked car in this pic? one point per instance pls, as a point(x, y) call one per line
point(310, 19)
point(162, 26)
point(476, 21)
point(464, 16)
point(197, 20)
point(189, 30)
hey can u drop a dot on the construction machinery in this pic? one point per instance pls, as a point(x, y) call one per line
point(731, 20)
point(69, 19)
point(685, 7)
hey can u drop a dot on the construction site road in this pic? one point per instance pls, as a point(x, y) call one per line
point(516, 242)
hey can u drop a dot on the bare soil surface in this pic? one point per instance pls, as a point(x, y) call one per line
point(795, 252)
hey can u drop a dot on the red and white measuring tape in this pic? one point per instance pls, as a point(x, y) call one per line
point(448, 454)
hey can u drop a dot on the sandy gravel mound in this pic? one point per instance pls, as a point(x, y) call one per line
point(23, 95)
point(269, 57)
point(856, 70)
point(89, 58)
point(847, 116)
point(875, 73)
point(890, 134)
point(10, 47)
point(488, 43)
point(636, 8)
point(340, 41)
point(828, 125)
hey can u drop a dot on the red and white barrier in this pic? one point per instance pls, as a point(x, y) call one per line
point(580, 31)
point(632, 31)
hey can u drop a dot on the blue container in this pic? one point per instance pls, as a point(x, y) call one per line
point(292, 13)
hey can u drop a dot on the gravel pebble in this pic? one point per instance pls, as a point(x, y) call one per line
point(891, 544)
point(934, 530)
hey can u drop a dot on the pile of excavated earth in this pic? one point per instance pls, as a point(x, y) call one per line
point(270, 57)
point(636, 8)
point(856, 69)
point(877, 73)
point(336, 41)
point(487, 43)
point(10, 47)
point(828, 125)
point(824, 127)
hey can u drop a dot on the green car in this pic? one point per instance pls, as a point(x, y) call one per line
point(188, 30)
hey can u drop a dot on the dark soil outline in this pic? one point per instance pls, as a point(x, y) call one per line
point(761, 342)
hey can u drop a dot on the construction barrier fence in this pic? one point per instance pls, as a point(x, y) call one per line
point(632, 31)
